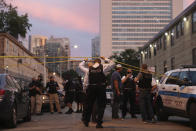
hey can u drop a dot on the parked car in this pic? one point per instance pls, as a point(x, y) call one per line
point(14, 101)
point(46, 101)
point(177, 94)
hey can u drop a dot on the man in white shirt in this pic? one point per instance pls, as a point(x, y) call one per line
point(95, 75)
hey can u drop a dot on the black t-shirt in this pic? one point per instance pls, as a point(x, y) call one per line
point(52, 85)
point(39, 84)
point(33, 91)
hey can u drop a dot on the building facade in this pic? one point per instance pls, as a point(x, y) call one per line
point(175, 45)
point(126, 24)
point(60, 48)
point(36, 44)
point(96, 47)
point(19, 67)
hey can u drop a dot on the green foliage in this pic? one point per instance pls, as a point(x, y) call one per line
point(71, 74)
point(130, 57)
point(13, 23)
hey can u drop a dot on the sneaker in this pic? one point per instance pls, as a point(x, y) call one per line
point(51, 112)
point(70, 111)
point(60, 112)
point(85, 123)
point(99, 126)
point(145, 122)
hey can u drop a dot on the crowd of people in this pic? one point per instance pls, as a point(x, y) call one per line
point(91, 95)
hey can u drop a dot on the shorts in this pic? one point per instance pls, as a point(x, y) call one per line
point(69, 97)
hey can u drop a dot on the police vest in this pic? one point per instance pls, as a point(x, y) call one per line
point(129, 84)
point(52, 87)
point(145, 81)
point(96, 75)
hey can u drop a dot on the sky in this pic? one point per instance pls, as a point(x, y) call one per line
point(76, 19)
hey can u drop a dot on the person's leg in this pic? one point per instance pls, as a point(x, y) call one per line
point(132, 97)
point(101, 104)
point(94, 111)
point(150, 112)
point(33, 104)
point(115, 107)
point(56, 99)
point(51, 98)
point(142, 106)
point(124, 106)
point(38, 104)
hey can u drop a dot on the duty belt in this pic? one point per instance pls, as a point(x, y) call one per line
point(97, 84)
point(143, 89)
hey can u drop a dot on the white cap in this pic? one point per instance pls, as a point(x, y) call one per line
point(119, 66)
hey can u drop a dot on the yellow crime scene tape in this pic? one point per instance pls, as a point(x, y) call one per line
point(134, 68)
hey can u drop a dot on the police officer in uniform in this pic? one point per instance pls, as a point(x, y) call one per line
point(96, 91)
point(129, 94)
point(52, 87)
point(145, 87)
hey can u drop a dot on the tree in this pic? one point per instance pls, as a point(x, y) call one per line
point(12, 23)
point(129, 57)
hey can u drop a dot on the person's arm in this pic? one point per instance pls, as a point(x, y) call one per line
point(138, 77)
point(82, 67)
point(57, 86)
point(109, 66)
point(116, 87)
point(125, 78)
point(154, 84)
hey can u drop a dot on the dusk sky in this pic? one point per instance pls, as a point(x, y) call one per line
point(75, 19)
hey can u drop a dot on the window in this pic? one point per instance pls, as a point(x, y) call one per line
point(189, 76)
point(172, 37)
point(164, 42)
point(173, 63)
point(194, 22)
point(155, 51)
point(173, 78)
point(194, 56)
point(165, 66)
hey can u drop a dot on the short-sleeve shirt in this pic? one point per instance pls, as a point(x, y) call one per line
point(116, 76)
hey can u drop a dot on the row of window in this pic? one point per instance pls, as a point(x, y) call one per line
point(133, 34)
point(139, 25)
point(139, 4)
point(136, 39)
point(144, 16)
point(141, 8)
point(141, 21)
point(141, 12)
point(128, 43)
point(136, 30)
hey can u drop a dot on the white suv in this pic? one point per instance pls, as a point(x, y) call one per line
point(177, 94)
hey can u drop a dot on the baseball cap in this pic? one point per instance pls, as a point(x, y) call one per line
point(119, 66)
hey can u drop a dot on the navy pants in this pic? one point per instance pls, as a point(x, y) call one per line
point(146, 105)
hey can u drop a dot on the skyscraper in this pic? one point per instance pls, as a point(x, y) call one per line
point(95, 46)
point(126, 24)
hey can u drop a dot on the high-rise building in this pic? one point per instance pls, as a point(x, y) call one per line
point(36, 44)
point(59, 48)
point(126, 24)
point(96, 47)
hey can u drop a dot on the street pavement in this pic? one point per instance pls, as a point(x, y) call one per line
point(62, 122)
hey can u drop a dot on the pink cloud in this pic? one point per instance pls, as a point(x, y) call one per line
point(82, 20)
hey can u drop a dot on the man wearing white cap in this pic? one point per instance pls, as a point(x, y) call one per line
point(116, 85)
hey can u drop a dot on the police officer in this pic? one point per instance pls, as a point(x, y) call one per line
point(145, 87)
point(52, 87)
point(32, 94)
point(69, 89)
point(129, 94)
point(39, 89)
point(96, 91)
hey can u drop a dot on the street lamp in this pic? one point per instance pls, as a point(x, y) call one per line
point(75, 46)
point(6, 68)
point(54, 73)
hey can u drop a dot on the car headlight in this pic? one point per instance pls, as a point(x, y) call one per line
point(44, 97)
